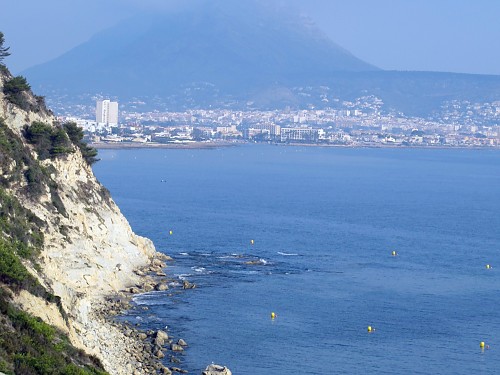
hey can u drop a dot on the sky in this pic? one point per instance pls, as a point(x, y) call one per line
point(426, 35)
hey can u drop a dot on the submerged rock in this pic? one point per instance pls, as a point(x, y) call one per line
point(176, 348)
point(162, 335)
point(179, 370)
point(161, 287)
point(158, 341)
point(187, 285)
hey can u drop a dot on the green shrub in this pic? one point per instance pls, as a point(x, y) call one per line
point(20, 225)
point(11, 268)
point(15, 91)
point(18, 92)
point(12, 149)
point(16, 85)
point(49, 141)
point(39, 134)
point(75, 134)
point(36, 326)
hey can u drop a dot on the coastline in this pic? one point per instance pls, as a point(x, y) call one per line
point(180, 146)
point(215, 145)
point(141, 351)
point(133, 350)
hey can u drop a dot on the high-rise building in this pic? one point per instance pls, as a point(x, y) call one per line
point(106, 112)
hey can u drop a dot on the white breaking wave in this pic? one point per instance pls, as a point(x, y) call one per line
point(287, 254)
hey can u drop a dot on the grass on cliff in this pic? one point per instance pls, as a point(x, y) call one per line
point(28, 346)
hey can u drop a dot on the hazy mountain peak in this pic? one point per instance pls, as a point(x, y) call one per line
point(234, 45)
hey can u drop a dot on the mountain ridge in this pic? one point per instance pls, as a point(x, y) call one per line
point(225, 54)
point(204, 45)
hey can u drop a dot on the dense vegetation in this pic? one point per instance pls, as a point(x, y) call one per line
point(28, 346)
point(17, 91)
point(19, 166)
point(49, 141)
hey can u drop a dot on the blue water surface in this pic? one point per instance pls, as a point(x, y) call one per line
point(324, 223)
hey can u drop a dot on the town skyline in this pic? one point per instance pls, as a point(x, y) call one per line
point(358, 123)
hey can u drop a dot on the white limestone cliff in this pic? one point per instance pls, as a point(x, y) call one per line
point(89, 253)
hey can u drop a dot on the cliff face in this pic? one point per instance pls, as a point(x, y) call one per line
point(88, 250)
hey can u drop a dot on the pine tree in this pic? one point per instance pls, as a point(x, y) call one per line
point(4, 51)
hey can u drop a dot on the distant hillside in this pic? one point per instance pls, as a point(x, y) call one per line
point(228, 53)
point(417, 93)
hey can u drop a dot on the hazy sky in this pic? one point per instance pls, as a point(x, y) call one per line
point(437, 35)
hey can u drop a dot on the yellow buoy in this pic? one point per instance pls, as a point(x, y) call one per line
point(488, 266)
point(369, 329)
point(481, 344)
point(273, 315)
point(171, 232)
point(394, 253)
point(252, 242)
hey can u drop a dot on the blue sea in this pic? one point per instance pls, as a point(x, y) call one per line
point(324, 223)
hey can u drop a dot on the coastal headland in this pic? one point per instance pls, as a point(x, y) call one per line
point(70, 261)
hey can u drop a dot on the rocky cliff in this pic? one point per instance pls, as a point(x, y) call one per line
point(65, 245)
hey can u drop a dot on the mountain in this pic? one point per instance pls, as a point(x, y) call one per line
point(230, 53)
point(234, 45)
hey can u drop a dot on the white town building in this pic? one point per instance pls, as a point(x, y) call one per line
point(106, 112)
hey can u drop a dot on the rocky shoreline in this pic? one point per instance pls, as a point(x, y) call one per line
point(146, 351)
